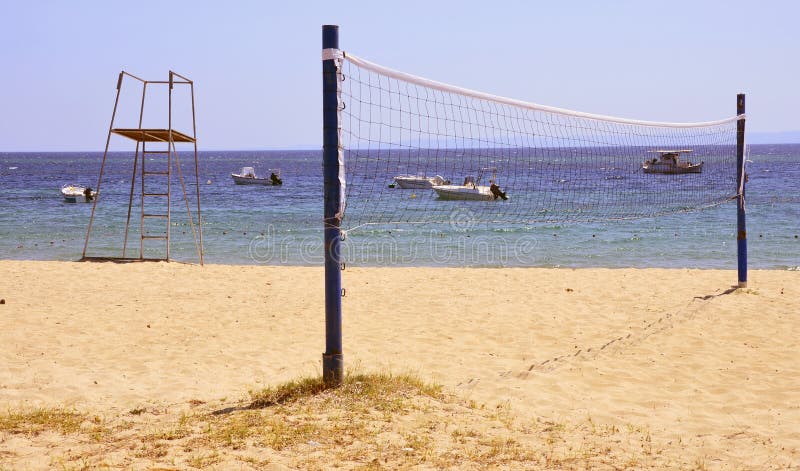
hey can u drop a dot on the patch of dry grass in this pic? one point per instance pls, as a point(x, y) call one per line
point(373, 421)
point(36, 421)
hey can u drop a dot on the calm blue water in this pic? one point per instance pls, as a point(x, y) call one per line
point(282, 225)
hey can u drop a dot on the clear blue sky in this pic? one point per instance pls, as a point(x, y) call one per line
point(256, 64)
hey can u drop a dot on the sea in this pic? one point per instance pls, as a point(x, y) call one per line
point(282, 225)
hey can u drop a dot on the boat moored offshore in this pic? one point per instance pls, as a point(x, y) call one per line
point(670, 163)
point(247, 176)
point(472, 190)
point(419, 181)
point(73, 193)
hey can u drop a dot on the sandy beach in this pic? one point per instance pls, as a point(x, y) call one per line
point(711, 373)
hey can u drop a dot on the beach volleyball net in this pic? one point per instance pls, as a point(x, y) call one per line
point(404, 137)
point(400, 149)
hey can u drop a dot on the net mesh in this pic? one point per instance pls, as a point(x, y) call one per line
point(554, 167)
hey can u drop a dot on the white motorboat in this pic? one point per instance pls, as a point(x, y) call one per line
point(669, 163)
point(419, 181)
point(472, 189)
point(73, 193)
point(247, 176)
point(464, 192)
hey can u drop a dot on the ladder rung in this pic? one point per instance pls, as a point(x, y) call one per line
point(156, 152)
point(154, 237)
point(156, 194)
point(155, 173)
point(154, 215)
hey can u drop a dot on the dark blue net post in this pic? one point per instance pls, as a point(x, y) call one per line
point(332, 359)
point(741, 178)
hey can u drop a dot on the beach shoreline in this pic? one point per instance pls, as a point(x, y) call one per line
point(677, 351)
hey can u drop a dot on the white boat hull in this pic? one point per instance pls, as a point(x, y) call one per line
point(418, 183)
point(668, 169)
point(468, 193)
point(413, 185)
point(76, 193)
point(240, 180)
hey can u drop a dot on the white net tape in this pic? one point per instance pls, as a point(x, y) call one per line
point(443, 87)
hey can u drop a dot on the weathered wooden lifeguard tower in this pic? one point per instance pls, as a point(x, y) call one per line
point(155, 162)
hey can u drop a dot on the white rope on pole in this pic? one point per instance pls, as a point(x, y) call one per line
point(365, 64)
point(337, 56)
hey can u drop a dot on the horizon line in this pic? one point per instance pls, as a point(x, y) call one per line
point(759, 135)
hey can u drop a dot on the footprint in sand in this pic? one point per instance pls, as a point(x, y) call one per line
point(471, 383)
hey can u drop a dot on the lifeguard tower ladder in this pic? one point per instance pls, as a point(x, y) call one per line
point(155, 178)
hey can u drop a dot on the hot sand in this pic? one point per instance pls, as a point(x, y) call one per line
point(710, 373)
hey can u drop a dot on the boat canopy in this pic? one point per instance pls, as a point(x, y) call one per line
point(248, 172)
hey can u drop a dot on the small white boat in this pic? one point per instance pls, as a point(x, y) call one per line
point(419, 181)
point(464, 192)
point(472, 190)
point(670, 163)
point(248, 176)
point(73, 193)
